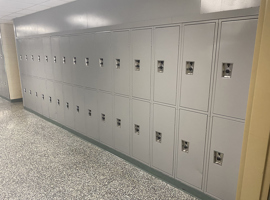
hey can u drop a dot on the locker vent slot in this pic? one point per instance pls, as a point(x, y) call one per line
point(118, 123)
point(54, 59)
point(103, 117)
point(158, 137)
point(137, 65)
point(36, 94)
point(227, 70)
point(86, 60)
point(26, 58)
point(64, 60)
point(89, 112)
point(50, 99)
point(189, 68)
point(185, 146)
point(101, 62)
point(67, 105)
point(160, 66)
point(78, 108)
point(58, 102)
point(38, 58)
point(20, 57)
point(32, 57)
point(46, 58)
point(43, 96)
point(74, 60)
point(117, 63)
point(137, 129)
point(218, 158)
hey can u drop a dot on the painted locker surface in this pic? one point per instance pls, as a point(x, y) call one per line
point(39, 59)
point(141, 131)
point(102, 60)
point(51, 99)
point(196, 66)
point(163, 138)
point(191, 144)
point(91, 113)
point(32, 84)
point(43, 97)
point(36, 94)
point(24, 89)
point(120, 61)
point(226, 138)
point(105, 118)
point(21, 50)
point(141, 45)
point(60, 104)
point(166, 41)
point(66, 59)
point(33, 56)
point(121, 124)
point(69, 106)
point(47, 58)
point(56, 59)
point(90, 75)
point(25, 56)
point(29, 64)
point(79, 109)
point(231, 92)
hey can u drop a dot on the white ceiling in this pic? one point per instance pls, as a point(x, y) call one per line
point(10, 9)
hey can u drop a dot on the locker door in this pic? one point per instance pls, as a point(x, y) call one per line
point(20, 53)
point(56, 59)
point(51, 99)
point(166, 41)
point(43, 97)
point(102, 60)
point(24, 88)
point(79, 110)
point(60, 104)
point(36, 95)
point(163, 138)
point(27, 57)
point(141, 131)
point(32, 57)
point(120, 61)
point(91, 114)
point(234, 67)
point(32, 83)
point(66, 60)
point(197, 65)
point(105, 118)
point(225, 154)
point(191, 145)
point(39, 59)
point(69, 106)
point(141, 59)
point(47, 58)
point(90, 74)
point(121, 124)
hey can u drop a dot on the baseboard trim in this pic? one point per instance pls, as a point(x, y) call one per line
point(12, 100)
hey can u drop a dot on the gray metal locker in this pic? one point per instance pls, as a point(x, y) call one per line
point(79, 110)
point(141, 131)
point(56, 58)
point(234, 67)
point(25, 56)
point(24, 88)
point(163, 138)
point(47, 58)
point(31, 93)
point(36, 94)
point(198, 56)
point(191, 144)
point(51, 99)
point(121, 124)
point(105, 118)
point(39, 59)
point(120, 61)
point(60, 104)
point(68, 69)
point(30, 54)
point(166, 41)
point(224, 161)
point(20, 54)
point(43, 98)
point(141, 45)
point(102, 60)
point(69, 106)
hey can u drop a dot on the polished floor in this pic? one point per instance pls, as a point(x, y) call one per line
point(39, 160)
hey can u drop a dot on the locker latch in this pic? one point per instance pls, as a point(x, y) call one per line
point(38, 58)
point(227, 70)
point(67, 105)
point(189, 68)
point(43, 96)
point(36, 94)
point(78, 108)
point(185, 146)
point(32, 57)
point(118, 123)
point(24, 90)
point(50, 99)
point(54, 59)
point(64, 60)
point(158, 137)
point(58, 102)
point(46, 58)
point(137, 65)
point(160, 66)
point(218, 158)
point(26, 58)
point(20, 57)
point(117, 63)
point(137, 129)
point(89, 112)
point(74, 60)
point(103, 117)
point(101, 62)
point(86, 60)
point(30, 92)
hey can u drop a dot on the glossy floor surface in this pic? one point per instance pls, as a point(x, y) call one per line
point(39, 160)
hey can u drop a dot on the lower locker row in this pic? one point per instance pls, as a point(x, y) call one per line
point(107, 118)
point(4, 91)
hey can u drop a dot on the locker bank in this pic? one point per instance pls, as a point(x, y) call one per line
point(164, 85)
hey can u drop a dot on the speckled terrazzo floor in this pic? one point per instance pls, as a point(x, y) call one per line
point(39, 160)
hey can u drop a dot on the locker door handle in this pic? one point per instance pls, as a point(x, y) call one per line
point(101, 62)
point(160, 66)
point(89, 112)
point(36, 94)
point(158, 136)
point(54, 59)
point(74, 60)
point(118, 123)
point(86, 60)
point(117, 63)
point(103, 117)
point(58, 102)
point(189, 68)
point(26, 58)
point(1, 56)
point(227, 70)
point(137, 65)
point(32, 57)
point(24, 90)
point(137, 129)
point(218, 158)
point(64, 60)
point(50, 99)
point(78, 108)
point(38, 58)
point(30, 92)
point(46, 58)
point(43, 96)
point(185, 146)
point(20, 57)
point(67, 105)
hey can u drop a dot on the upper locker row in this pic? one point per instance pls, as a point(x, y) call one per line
point(103, 60)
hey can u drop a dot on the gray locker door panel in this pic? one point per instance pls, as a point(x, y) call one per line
point(31, 93)
point(141, 51)
point(105, 126)
point(79, 110)
point(190, 160)
point(47, 58)
point(120, 51)
point(31, 49)
point(166, 41)
point(38, 60)
point(198, 48)
point(56, 58)
point(91, 105)
point(68, 69)
point(141, 120)
point(25, 57)
point(121, 124)
point(24, 89)
point(69, 106)
point(103, 45)
point(60, 104)
point(51, 100)
point(20, 55)
point(44, 103)
point(36, 94)
point(231, 94)
point(164, 122)
point(226, 138)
